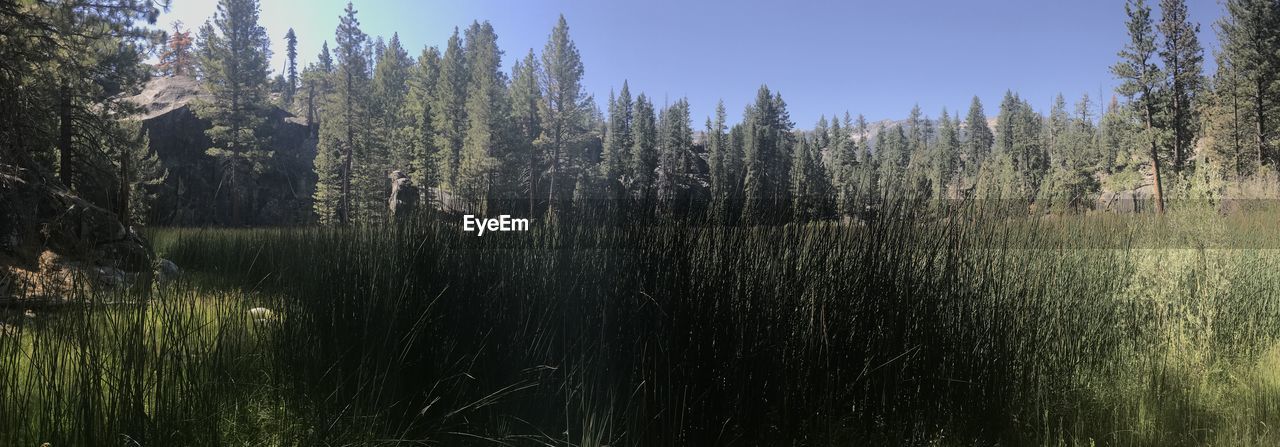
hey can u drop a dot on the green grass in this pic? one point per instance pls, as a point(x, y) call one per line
point(1098, 330)
point(180, 366)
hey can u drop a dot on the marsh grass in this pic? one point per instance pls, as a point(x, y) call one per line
point(166, 370)
point(973, 329)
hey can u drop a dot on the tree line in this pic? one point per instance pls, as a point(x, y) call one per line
point(532, 141)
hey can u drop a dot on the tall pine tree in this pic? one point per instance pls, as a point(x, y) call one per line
point(448, 114)
point(564, 110)
point(235, 75)
point(644, 155)
point(291, 67)
point(1183, 57)
point(487, 111)
point(617, 147)
point(1250, 35)
point(345, 128)
point(1140, 80)
point(526, 96)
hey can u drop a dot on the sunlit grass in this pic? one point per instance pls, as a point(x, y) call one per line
point(1085, 330)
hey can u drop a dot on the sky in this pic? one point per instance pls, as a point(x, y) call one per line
point(877, 58)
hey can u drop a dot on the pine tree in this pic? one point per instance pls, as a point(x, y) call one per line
point(644, 156)
point(819, 186)
point(67, 67)
point(1070, 184)
point(893, 154)
point(998, 182)
point(1120, 131)
point(526, 95)
point(1140, 80)
point(946, 155)
point(564, 108)
point(317, 83)
point(920, 133)
point(486, 109)
point(836, 137)
point(734, 166)
point(416, 114)
point(803, 207)
point(864, 137)
point(235, 74)
point(822, 133)
point(139, 171)
point(916, 130)
point(767, 164)
point(845, 172)
point(1083, 145)
point(868, 168)
point(978, 138)
point(1249, 36)
point(291, 70)
point(1228, 131)
point(617, 146)
point(1020, 136)
point(810, 187)
point(374, 50)
point(390, 93)
point(720, 167)
point(176, 58)
point(1183, 57)
point(206, 45)
point(674, 143)
point(1059, 125)
point(448, 114)
point(344, 131)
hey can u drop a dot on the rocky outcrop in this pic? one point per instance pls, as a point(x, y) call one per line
point(54, 244)
point(1137, 200)
point(404, 195)
point(195, 191)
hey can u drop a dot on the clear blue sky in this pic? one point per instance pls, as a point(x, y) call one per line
point(872, 57)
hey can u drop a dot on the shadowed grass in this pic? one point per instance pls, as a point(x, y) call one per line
point(1107, 330)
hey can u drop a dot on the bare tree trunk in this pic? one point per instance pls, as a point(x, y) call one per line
point(65, 133)
point(234, 165)
point(125, 218)
point(1155, 163)
point(1177, 128)
point(533, 174)
point(1261, 127)
point(555, 169)
point(1235, 133)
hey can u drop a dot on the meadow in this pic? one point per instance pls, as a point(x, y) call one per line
point(1129, 330)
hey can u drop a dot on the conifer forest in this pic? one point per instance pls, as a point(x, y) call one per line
point(392, 243)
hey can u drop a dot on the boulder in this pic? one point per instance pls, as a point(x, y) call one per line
point(167, 271)
point(404, 195)
point(67, 246)
point(60, 278)
point(1127, 201)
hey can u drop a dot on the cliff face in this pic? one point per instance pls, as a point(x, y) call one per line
point(196, 190)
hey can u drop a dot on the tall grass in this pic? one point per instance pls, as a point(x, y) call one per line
point(176, 368)
point(968, 330)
